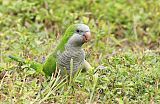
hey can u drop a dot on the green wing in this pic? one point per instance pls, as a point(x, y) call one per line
point(50, 65)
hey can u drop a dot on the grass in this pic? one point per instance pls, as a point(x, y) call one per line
point(124, 51)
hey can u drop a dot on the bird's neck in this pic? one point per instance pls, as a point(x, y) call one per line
point(72, 47)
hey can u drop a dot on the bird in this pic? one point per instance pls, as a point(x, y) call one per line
point(69, 48)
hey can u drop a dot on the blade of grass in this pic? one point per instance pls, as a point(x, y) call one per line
point(71, 71)
point(53, 88)
point(95, 80)
point(3, 79)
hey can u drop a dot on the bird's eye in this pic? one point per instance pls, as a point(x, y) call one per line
point(78, 31)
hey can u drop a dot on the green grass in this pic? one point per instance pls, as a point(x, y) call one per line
point(124, 51)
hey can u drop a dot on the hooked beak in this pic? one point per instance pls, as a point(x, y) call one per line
point(86, 37)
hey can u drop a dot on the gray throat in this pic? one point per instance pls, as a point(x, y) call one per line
point(71, 52)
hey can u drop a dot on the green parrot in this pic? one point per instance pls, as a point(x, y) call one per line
point(69, 47)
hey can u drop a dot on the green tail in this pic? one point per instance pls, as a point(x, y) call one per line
point(35, 65)
point(18, 59)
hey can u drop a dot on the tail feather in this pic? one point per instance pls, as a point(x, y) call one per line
point(35, 65)
point(18, 59)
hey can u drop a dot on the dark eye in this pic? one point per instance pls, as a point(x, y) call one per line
point(78, 31)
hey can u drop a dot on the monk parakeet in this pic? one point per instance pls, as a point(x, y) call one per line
point(69, 47)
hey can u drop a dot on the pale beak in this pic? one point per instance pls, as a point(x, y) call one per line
point(87, 37)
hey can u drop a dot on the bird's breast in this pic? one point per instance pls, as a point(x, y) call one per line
point(65, 57)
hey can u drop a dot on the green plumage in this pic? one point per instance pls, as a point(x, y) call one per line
point(49, 65)
point(35, 65)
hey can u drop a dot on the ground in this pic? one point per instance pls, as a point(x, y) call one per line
point(124, 51)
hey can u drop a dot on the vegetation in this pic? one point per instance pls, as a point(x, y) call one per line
point(124, 51)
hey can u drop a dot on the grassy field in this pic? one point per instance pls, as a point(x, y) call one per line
point(124, 51)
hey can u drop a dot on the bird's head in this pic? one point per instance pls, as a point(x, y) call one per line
point(75, 35)
point(78, 34)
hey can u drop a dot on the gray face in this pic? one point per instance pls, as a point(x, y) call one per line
point(81, 29)
point(77, 38)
